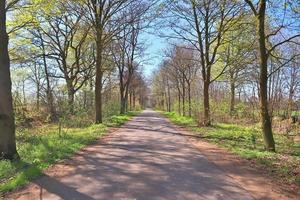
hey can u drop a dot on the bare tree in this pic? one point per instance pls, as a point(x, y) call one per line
point(127, 48)
point(183, 62)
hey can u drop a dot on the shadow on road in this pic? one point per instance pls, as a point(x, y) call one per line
point(50, 184)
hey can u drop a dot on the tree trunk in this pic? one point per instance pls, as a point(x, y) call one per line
point(91, 98)
point(162, 103)
point(98, 96)
point(123, 105)
point(169, 97)
point(133, 100)
point(263, 80)
point(38, 96)
point(293, 75)
point(190, 99)
point(183, 98)
point(49, 95)
point(206, 121)
point(7, 122)
point(232, 96)
point(99, 76)
point(126, 95)
point(126, 102)
point(24, 94)
point(130, 100)
point(290, 102)
point(71, 93)
point(179, 102)
point(166, 101)
point(85, 99)
point(122, 95)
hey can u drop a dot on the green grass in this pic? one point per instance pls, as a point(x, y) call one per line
point(180, 120)
point(118, 120)
point(247, 142)
point(41, 147)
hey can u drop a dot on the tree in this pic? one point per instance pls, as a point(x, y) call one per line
point(166, 81)
point(40, 42)
point(37, 78)
point(105, 20)
point(185, 68)
point(260, 14)
point(237, 53)
point(292, 75)
point(33, 49)
point(66, 37)
point(203, 23)
point(127, 47)
point(7, 122)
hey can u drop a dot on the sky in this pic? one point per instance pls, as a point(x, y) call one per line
point(153, 53)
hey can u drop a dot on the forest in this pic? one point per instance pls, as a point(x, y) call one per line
point(71, 69)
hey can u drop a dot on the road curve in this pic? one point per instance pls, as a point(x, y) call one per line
point(145, 159)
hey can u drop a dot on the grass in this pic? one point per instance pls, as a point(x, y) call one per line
point(247, 142)
point(118, 120)
point(42, 147)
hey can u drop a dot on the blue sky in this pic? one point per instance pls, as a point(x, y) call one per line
point(154, 52)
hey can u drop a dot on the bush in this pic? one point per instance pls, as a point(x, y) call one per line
point(78, 120)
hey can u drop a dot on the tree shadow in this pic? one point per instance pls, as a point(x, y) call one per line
point(52, 185)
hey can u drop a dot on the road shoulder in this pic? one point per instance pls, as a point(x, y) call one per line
point(260, 185)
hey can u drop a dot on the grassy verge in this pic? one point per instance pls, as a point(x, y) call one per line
point(118, 120)
point(247, 142)
point(41, 147)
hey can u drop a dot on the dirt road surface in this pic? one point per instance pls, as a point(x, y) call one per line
point(147, 158)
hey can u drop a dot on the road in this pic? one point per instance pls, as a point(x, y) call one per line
point(145, 159)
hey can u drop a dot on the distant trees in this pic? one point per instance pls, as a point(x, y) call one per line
point(184, 68)
point(203, 25)
point(126, 49)
point(178, 73)
point(138, 91)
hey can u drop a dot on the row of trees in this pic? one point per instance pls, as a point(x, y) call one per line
point(83, 52)
point(87, 53)
point(246, 45)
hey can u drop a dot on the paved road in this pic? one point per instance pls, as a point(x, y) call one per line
point(145, 159)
